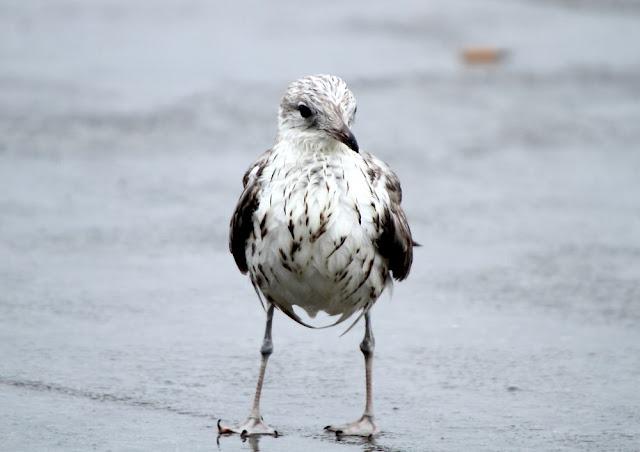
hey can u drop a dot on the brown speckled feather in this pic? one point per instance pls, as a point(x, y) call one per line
point(241, 225)
point(395, 242)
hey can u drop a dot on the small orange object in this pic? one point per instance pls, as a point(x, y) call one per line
point(483, 55)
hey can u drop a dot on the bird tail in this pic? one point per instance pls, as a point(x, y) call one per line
point(295, 317)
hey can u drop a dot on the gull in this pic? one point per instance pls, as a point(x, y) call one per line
point(319, 226)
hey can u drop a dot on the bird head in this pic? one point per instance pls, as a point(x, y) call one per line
point(316, 111)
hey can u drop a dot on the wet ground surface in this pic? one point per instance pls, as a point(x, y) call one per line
point(124, 132)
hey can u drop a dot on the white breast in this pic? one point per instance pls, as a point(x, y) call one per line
point(313, 243)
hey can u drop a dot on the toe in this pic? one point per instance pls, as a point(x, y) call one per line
point(251, 427)
point(223, 429)
point(365, 426)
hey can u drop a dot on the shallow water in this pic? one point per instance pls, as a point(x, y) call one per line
point(124, 132)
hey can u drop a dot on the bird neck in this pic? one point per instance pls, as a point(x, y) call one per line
point(303, 145)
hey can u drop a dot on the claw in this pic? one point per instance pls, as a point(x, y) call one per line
point(252, 426)
point(223, 430)
point(365, 427)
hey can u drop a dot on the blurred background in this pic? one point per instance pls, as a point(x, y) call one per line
point(125, 128)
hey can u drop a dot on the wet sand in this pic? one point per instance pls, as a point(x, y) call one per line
point(124, 133)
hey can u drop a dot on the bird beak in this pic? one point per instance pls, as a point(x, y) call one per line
point(345, 136)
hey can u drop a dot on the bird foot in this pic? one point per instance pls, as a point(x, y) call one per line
point(365, 426)
point(252, 426)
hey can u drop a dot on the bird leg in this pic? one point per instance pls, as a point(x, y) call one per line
point(254, 424)
point(365, 426)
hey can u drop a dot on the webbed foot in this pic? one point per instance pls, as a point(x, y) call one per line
point(365, 426)
point(252, 426)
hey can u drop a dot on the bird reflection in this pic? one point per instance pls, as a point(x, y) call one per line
point(253, 441)
point(368, 444)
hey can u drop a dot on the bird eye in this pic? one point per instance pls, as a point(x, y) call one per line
point(305, 111)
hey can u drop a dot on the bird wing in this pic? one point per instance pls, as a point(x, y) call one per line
point(242, 220)
point(395, 242)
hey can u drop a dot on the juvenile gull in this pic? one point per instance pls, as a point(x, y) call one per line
point(319, 226)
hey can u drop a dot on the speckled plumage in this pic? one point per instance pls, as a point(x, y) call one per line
point(318, 225)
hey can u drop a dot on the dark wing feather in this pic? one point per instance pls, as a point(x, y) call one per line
point(242, 219)
point(394, 242)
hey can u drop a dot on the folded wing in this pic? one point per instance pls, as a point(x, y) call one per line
point(241, 225)
point(395, 242)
